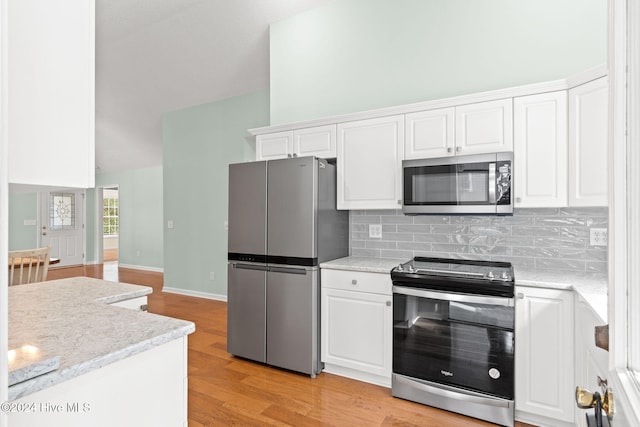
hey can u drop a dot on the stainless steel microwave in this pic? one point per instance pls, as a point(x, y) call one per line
point(472, 184)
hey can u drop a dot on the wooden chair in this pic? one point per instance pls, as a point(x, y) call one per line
point(28, 266)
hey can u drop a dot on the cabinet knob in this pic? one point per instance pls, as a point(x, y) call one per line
point(520, 295)
point(295, 154)
point(458, 149)
point(289, 155)
point(388, 303)
point(518, 199)
point(354, 282)
point(449, 149)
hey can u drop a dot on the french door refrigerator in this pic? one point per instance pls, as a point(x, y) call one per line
point(283, 223)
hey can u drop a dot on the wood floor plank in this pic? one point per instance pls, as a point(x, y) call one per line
point(229, 391)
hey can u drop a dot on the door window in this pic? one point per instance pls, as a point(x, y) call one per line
point(62, 211)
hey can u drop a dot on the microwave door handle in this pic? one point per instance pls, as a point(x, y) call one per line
point(492, 183)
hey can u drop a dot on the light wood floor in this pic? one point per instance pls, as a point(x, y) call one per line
point(228, 391)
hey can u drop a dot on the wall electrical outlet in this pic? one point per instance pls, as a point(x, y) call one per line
point(375, 231)
point(212, 275)
point(598, 237)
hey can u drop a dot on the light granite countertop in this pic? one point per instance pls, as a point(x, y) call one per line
point(591, 287)
point(64, 328)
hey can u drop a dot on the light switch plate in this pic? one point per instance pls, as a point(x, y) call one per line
point(375, 231)
point(598, 237)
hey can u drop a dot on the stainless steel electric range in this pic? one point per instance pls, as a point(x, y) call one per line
point(453, 336)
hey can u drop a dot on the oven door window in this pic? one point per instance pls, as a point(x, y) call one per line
point(465, 184)
point(465, 345)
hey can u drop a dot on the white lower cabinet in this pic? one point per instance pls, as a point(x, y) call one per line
point(145, 389)
point(357, 325)
point(545, 386)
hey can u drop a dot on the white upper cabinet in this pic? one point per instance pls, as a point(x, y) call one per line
point(429, 134)
point(319, 141)
point(369, 163)
point(485, 127)
point(276, 145)
point(540, 150)
point(588, 144)
point(51, 92)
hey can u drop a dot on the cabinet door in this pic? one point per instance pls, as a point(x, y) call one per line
point(588, 144)
point(356, 330)
point(51, 95)
point(544, 354)
point(429, 134)
point(369, 172)
point(277, 145)
point(540, 150)
point(485, 127)
point(319, 141)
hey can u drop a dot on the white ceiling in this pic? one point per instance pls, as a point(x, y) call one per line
point(156, 56)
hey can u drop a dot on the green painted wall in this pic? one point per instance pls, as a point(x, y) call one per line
point(141, 216)
point(355, 55)
point(23, 207)
point(198, 145)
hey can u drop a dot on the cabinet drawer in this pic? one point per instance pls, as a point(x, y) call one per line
point(377, 283)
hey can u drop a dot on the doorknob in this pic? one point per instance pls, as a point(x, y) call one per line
point(44, 233)
point(586, 400)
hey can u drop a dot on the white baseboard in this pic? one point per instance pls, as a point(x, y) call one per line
point(142, 267)
point(198, 294)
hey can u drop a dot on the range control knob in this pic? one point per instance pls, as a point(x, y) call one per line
point(411, 269)
point(490, 275)
point(504, 276)
point(399, 267)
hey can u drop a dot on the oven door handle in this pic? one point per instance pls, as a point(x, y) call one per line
point(445, 296)
point(452, 393)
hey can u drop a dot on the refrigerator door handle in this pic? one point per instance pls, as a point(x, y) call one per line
point(251, 267)
point(288, 270)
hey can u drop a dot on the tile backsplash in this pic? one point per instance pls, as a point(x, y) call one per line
point(537, 239)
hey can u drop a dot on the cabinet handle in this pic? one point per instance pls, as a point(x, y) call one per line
point(520, 295)
point(388, 303)
point(354, 282)
point(289, 155)
point(449, 149)
point(458, 149)
point(295, 154)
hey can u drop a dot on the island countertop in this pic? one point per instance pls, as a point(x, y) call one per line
point(68, 325)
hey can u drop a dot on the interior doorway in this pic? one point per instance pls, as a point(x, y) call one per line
point(110, 227)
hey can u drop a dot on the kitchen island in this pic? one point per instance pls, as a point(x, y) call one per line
point(78, 357)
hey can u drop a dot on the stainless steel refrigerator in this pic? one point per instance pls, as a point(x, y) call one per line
point(283, 223)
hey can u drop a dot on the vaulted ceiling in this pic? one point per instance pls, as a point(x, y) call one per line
point(156, 56)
